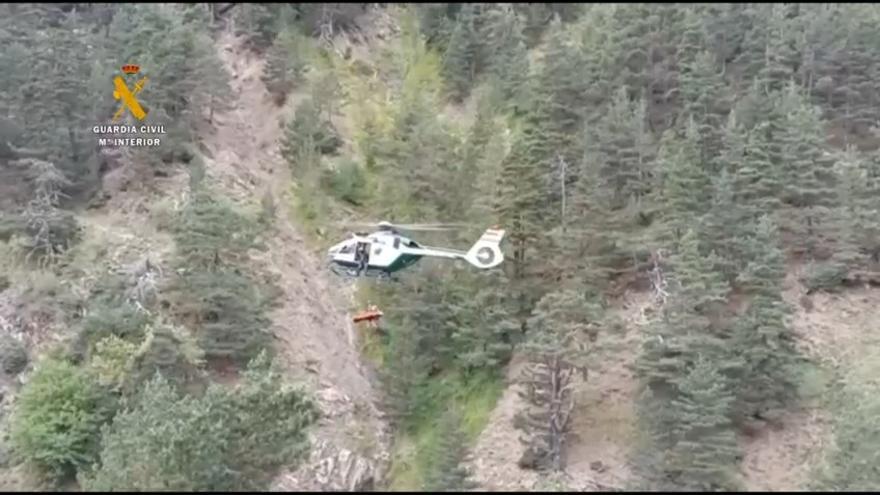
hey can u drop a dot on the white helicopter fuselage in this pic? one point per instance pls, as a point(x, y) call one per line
point(390, 252)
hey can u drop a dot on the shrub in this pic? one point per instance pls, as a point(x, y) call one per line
point(13, 356)
point(347, 182)
point(211, 229)
point(121, 320)
point(828, 276)
point(112, 361)
point(168, 350)
point(286, 62)
point(308, 131)
point(227, 439)
point(226, 311)
point(57, 420)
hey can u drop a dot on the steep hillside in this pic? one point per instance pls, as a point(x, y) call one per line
point(690, 194)
point(314, 333)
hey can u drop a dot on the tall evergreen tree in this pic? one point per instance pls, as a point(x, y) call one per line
point(461, 57)
point(486, 328)
point(556, 347)
point(722, 227)
point(448, 455)
point(686, 181)
point(704, 98)
point(704, 454)
point(758, 180)
point(766, 344)
point(805, 168)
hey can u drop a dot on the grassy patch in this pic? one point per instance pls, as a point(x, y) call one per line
point(475, 397)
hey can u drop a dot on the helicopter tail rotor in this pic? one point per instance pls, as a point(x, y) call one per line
point(486, 252)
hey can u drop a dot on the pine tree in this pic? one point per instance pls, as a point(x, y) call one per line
point(214, 92)
point(765, 342)
point(461, 57)
point(227, 439)
point(167, 350)
point(690, 324)
point(686, 181)
point(704, 99)
point(559, 89)
point(403, 373)
point(210, 231)
point(807, 173)
point(758, 180)
point(448, 455)
point(307, 136)
point(781, 56)
point(622, 144)
point(728, 25)
point(486, 329)
point(808, 179)
point(859, 190)
point(852, 224)
point(692, 40)
point(285, 64)
point(506, 54)
point(704, 454)
point(435, 22)
point(722, 227)
point(521, 207)
point(753, 50)
point(227, 310)
point(561, 324)
point(752, 107)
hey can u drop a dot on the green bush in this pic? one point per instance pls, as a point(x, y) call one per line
point(827, 276)
point(57, 420)
point(226, 439)
point(308, 131)
point(226, 311)
point(210, 229)
point(168, 350)
point(112, 361)
point(286, 63)
point(13, 356)
point(121, 320)
point(347, 182)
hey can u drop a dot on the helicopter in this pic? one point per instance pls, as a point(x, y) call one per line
point(386, 251)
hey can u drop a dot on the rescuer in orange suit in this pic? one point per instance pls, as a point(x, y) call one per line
point(371, 315)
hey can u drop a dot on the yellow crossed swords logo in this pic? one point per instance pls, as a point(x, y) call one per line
point(129, 101)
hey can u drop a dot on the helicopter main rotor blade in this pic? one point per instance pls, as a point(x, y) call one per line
point(407, 226)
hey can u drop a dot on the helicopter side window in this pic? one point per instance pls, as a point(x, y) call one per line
point(396, 242)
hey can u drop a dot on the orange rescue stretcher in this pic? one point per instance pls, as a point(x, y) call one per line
point(371, 316)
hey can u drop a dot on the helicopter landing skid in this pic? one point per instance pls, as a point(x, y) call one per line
point(352, 274)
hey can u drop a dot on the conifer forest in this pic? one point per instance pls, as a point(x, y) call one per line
point(689, 298)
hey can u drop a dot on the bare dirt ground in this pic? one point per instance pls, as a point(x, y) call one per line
point(835, 332)
point(602, 423)
point(314, 333)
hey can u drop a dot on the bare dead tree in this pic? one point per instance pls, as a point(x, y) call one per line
point(658, 279)
point(548, 388)
point(45, 222)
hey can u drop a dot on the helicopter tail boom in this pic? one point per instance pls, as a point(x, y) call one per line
point(486, 252)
